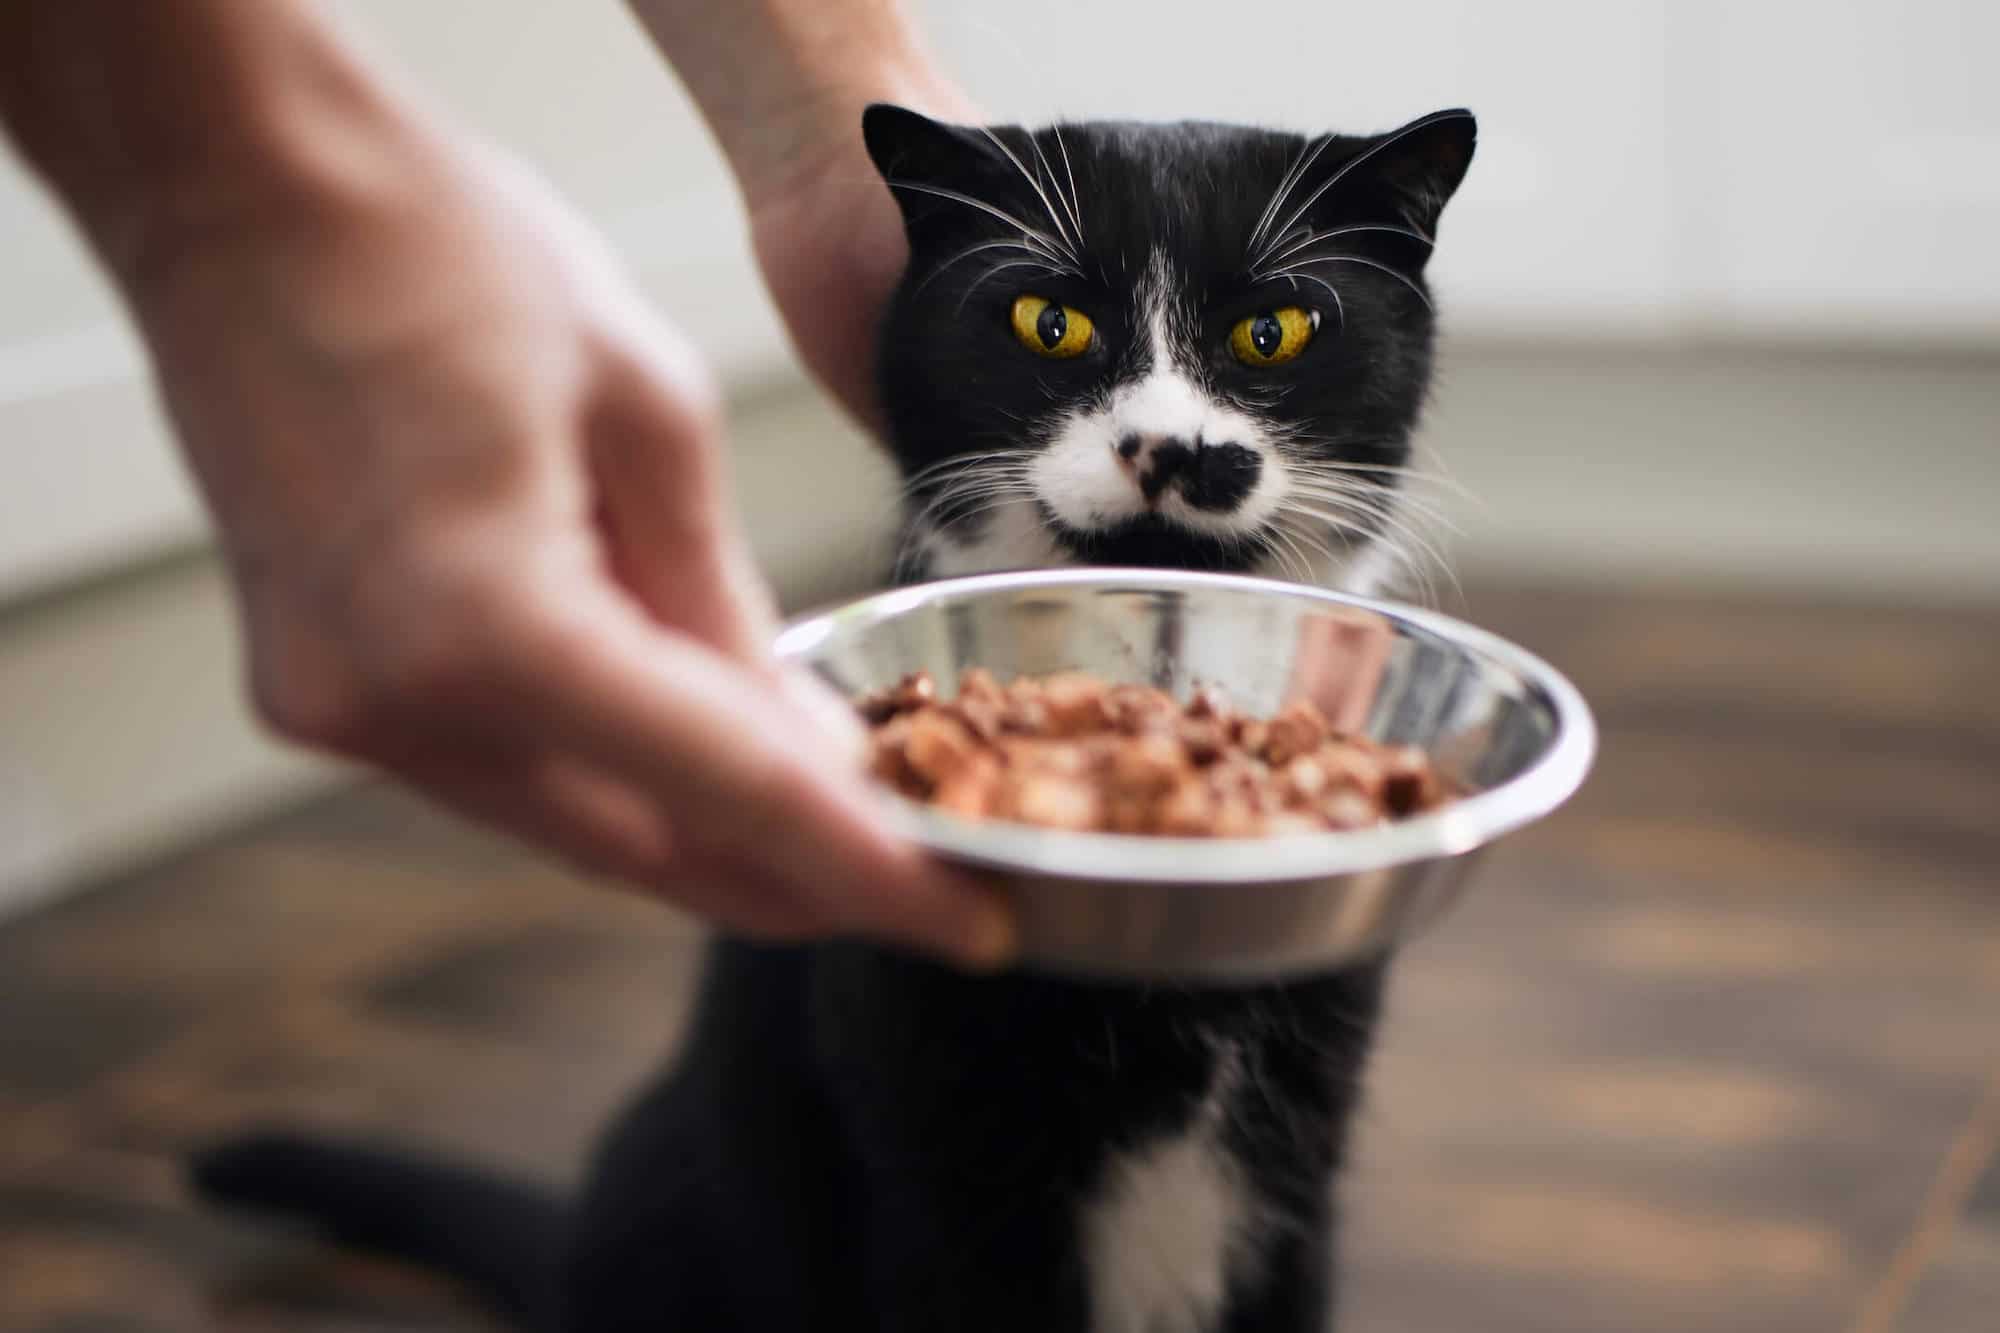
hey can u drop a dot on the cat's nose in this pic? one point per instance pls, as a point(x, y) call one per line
point(1214, 477)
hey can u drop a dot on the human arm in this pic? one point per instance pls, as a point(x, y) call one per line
point(469, 489)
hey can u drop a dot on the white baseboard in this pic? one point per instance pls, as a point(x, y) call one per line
point(123, 732)
point(1839, 471)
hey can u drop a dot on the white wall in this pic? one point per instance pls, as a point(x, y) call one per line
point(1648, 169)
point(1777, 167)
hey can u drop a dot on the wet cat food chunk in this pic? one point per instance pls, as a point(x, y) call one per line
point(1071, 751)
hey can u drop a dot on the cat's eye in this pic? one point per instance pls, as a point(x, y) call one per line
point(1271, 337)
point(1048, 328)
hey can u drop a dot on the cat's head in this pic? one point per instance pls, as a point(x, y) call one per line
point(1193, 345)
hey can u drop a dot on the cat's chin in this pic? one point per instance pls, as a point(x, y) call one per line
point(1155, 542)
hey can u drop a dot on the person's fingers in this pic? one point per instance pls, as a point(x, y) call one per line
point(602, 825)
point(598, 823)
point(751, 782)
point(834, 715)
point(657, 465)
point(607, 828)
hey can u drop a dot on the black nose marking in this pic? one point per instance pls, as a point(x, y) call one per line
point(1214, 477)
point(1218, 476)
point(1165, 463)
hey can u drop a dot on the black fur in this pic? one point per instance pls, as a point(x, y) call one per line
point(855, 1139)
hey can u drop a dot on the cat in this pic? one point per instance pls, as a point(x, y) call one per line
point(1188, 345)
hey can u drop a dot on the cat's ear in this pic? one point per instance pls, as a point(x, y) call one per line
point(1415, 170)
point(1398, 182)
point(916, 154)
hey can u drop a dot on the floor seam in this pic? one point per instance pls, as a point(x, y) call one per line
point(1972, 1151)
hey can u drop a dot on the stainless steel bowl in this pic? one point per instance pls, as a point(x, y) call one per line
point(1499, 722)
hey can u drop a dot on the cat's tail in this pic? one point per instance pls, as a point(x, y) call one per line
point(501, 1237)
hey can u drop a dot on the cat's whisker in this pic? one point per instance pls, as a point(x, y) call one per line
point(984, 483)
point(971, 505)
point(1307, 155)
point(1400, 499)
point(986, 474)
point(1293, 553)
point(1322, 531)
point(967, 508)
point(989, 274)
point(1074, 201)
point(1420, 490)
point(961, 462)
point(1295, 277)
point(1419, 292)
point(1384, 512)
point(970, 459)
point(1423, 487)
point(1314, 238)
point(1055, 186)
point(1387, 477)
point(1350, 164)
point(970, 251)
point(1394, 532)
point(1312, 467)
point(956, 503)
point(1312, 542)
point(1035, 184)
point(1048, 244)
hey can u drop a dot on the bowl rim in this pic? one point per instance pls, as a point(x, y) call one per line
point(1451, 830)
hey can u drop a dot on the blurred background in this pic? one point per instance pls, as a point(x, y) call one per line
point(1720, 393)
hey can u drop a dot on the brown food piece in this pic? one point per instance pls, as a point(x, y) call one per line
point(1408, 782)
point(912, 692)
point(1070, 751)
point(939, 746)
point(1300, 729)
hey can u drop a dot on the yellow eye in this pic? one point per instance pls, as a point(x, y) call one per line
point(1273, 336)
point(1048, 329)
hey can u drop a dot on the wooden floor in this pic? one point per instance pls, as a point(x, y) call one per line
point(1718, 1048)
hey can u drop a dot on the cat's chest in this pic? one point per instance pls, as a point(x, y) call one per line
point(1091, 1158)
point(1172, 1224)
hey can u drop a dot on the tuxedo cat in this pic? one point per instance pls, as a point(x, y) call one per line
point(1175, 345)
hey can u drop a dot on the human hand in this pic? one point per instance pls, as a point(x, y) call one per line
point(472, 497)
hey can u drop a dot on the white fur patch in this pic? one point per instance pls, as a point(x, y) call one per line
point(1080, 476)
point(1170, 1225)
point(1013, 535)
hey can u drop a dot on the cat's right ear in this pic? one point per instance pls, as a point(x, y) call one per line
point(918, 156)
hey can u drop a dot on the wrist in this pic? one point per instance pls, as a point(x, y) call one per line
point(824, 143)
point(782, 83)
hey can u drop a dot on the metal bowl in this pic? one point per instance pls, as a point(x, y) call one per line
point(1501, 724)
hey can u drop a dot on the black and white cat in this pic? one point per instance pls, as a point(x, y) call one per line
point(1189, 345)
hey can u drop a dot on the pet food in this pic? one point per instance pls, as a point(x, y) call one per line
point(1070, 751)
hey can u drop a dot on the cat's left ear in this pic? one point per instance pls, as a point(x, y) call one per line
point(916, 154)
point(1413, 171)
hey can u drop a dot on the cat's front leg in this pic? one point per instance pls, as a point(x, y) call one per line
point(1059, 1155)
